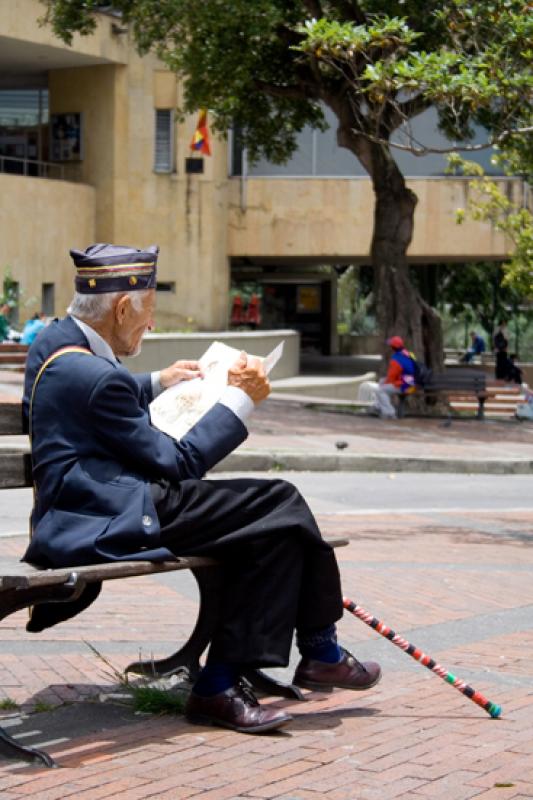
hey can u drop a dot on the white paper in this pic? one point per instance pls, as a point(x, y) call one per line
point(180, 407)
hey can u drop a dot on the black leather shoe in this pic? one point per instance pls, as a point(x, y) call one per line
point(348, 673)
point(236, 708)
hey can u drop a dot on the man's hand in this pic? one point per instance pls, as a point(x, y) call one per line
point(249, 375)
point(179, 371)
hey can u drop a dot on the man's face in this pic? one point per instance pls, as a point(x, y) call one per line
point(132, 325)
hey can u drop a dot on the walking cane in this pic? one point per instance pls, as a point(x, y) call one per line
point(491, 708)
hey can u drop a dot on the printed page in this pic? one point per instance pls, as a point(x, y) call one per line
point(180, 407)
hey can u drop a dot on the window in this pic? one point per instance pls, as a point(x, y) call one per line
point(23, 130)
point(164, 141)
point(48, 299)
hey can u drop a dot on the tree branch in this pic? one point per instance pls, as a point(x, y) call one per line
point(410, 108)
point(418, 149)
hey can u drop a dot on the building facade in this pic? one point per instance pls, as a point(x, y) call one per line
point(91, 150)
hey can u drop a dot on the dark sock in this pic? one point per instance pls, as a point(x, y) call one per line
point(320, 644)
point(215, 678)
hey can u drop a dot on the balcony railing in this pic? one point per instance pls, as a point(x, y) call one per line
point(32, 168)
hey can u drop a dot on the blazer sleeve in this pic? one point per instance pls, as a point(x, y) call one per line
point(144, 382)
point(123, 427)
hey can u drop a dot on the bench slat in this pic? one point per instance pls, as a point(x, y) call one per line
point(19, 575)
point(11, 419)
point(15, 468)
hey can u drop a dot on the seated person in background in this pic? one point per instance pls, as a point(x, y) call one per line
point(477, 347)
point(400, 378)
point(111, 487)
point(33, 327)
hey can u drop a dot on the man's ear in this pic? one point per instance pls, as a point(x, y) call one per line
point(121, 308)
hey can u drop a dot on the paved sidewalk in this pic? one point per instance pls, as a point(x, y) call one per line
point(458, 586)
point(288, 435)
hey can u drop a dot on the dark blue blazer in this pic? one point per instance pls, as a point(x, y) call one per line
point(95, 455)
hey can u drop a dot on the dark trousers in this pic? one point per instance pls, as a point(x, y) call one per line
point(502, 365)
point(278, 574)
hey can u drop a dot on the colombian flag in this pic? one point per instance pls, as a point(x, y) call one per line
point(200, 140)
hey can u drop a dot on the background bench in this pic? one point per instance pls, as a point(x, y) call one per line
point(13, 356)
point(455, 382)
point(22, 586)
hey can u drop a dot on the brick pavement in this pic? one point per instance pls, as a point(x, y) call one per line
point(460, 588)
point(289, 427)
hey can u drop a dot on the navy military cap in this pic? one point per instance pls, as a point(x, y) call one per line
point(114, 268)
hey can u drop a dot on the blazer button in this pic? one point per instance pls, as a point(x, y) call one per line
point(147, 520)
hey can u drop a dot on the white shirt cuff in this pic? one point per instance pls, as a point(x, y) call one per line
point(237, 401)
point(156, 384)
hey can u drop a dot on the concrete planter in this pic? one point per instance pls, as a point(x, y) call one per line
point(161, 349)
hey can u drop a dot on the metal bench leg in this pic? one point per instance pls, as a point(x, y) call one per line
point(481, 408)
point(10, 748)
point(400, 411)
point(187, 658)
point(264, 683)
point(16, 599)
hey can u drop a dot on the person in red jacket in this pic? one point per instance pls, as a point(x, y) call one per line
point(400, 378)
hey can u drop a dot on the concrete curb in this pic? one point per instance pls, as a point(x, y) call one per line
point(280, 461)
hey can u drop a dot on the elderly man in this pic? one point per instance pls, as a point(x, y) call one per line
point(110, 487)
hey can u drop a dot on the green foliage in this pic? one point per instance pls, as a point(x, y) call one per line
point(265, 65)
point(354, 304)
point(150, 700)
point(477, 293)
point(41, 707)
point(7, 704)
point(489, 202)
point(10, 290)
point(145, 696)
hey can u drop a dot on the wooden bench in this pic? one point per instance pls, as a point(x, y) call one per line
point(453, 382)
point(13, 356)
point(22, 586)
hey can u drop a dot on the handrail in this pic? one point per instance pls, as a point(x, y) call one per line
point(44, 168)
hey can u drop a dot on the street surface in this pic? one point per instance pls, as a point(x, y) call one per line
point(358, 493)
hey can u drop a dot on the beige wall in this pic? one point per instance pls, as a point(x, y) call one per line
point(91, 91)
point(333, 218)
point(19, 21)
point(40, 220)
point(185, 214)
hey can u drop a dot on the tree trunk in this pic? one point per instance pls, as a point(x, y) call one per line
point(400, 309)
